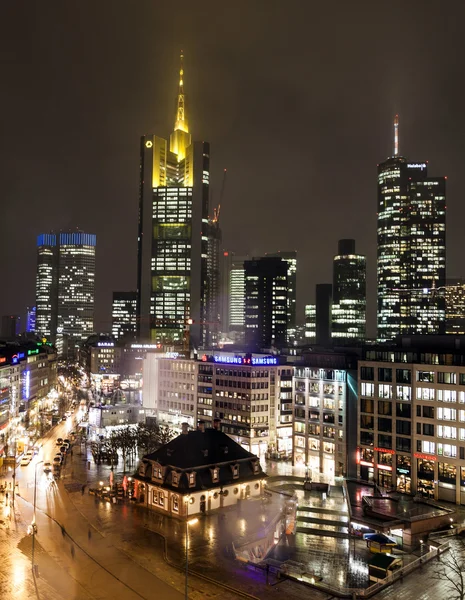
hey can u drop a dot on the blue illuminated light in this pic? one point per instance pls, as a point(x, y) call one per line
point(264, 360)
point(228, 360)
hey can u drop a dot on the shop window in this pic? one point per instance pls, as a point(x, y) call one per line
point(447, 473)
point(385, 458)
point(366, 455)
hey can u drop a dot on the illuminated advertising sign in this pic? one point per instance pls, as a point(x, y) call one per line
point(105, 344)
point(2, 360)
point(424, 456)
point(36, 351)
point(385, 450)
point(416, 166)
point(255, 361)
point(146, 346)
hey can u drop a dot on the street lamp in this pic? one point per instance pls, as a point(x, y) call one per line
point(191, 522)
point(33, 524)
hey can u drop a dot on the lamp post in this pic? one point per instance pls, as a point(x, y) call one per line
point(33, 524)
point(191, 522)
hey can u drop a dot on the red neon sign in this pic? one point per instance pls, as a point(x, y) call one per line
point(386, 451)
point(424, 456)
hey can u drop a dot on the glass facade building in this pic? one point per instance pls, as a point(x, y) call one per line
point(173, 295)
point(123, 315)
point(65, 287)
point(348, 310)
point(411, 249)
point(291, 260)
point(266, 308)
point(455, 306)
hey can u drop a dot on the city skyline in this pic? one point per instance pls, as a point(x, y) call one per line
point(232, 117)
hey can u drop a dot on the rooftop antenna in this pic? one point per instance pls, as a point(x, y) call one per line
point(396, 135)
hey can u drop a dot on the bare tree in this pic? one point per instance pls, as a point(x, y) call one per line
point(451, 569)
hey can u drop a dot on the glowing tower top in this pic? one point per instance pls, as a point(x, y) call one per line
point(180, 139)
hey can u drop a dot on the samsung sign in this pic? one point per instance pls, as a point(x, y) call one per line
point(245, 360)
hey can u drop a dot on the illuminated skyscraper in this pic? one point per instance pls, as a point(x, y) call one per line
point(310, 324)
point(411, 247)
point(455, 306)
point(266, 286)
point(237, 295)
point(291, 260)
point(123, 315)
point(172, 275)
point(348, 311)
point(65, 287)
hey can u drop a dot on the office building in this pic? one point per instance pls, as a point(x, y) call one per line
point(124, 315)
point(411, 426)
point(237, 296)
point(212, 304)
point(31, 319)
point(290, 259)
point(266, 308)
point(324, 300)
point(11, 325)
point(348, 311)
point(65, 288)
point(173, 266)
point(100, 357)
point(323, 396)
point(411, 247)
point(310, 324)
point(455, 306)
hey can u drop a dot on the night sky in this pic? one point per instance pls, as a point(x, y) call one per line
point(296, 98)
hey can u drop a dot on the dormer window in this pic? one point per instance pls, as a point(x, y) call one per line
point(191, 479)
point(235, 471)
point(215, 474)
point(256, 467)
point(175, 478)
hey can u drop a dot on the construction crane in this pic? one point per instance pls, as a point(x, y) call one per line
point(217, 210)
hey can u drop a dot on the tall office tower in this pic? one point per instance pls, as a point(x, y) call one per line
point(31, 319)
point(348, 312)
point(65, 288)
point(124, 315)
point(455, 306)
point(172, 269)
point(411, 247)
point(237, 296)
point(226, 258)
point(324, 300)
point(47, 285)
point(266, 286)
point(310, 324)
point(291, 260)
point(212, 285)
point(10, 326)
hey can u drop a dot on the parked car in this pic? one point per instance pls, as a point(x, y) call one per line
point(66, 441)
point(63, 449)
point(57, 459)
point(25, 460)
point(59, 441)
point(30, 453)
point(47, 467)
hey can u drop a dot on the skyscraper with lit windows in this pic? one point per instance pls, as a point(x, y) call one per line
point(123, 315)
point(65, 288)
point(411, 265)
point(172, 269)
point(348, 310)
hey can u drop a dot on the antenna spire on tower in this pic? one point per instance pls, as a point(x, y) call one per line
point(181, 121)
point(396, 135)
